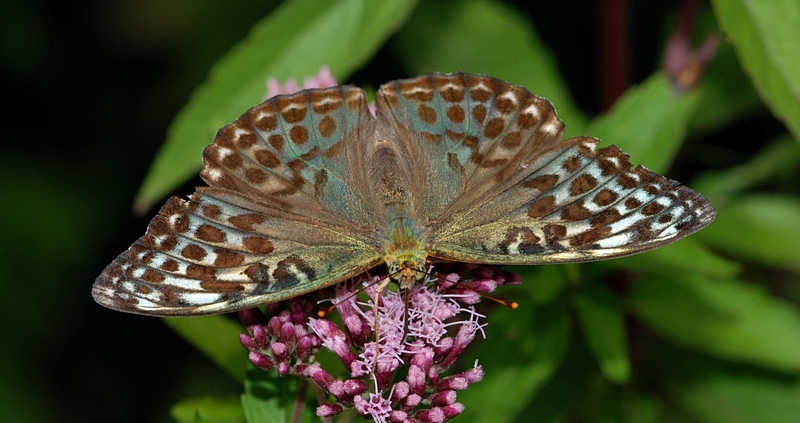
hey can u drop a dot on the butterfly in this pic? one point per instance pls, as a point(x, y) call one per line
point(310, 189)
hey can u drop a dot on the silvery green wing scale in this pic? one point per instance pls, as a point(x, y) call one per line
point(310, 189)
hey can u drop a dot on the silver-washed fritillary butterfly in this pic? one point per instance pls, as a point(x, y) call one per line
point(310, 189)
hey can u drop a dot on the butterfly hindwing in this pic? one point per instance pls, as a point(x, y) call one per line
point(220, 252)
point(579, 204)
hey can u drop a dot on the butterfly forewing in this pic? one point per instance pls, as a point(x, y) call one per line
point(294, 152)
point(466, 137)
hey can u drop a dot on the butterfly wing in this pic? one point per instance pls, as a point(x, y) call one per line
point(579, 204)
point(279, 219)
point(502, 188)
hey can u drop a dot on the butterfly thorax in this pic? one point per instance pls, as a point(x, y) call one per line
point(404, 252)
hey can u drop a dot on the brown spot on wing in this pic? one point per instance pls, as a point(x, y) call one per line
point(221, 286)
point(572, 164)
point(276, 141)
point(193, 252)
point(427, 114)
point(582, 184)
point(264, 117)
point(494, 128)
point(209, 233)
point(652, 208)
point(512, 140)
point(420, 89)
point(479, 113)
point(293, 109)
point(298, 134)
point(590, 237)
point(542, 207)
point(246, 222)
point(267, 158)
point(528, 241)
point(211, 211)
point(227, 258)
point(256, 176)
point(456, 113)
point(232, 161)
point(258, 272)
point(169, 265)
point(575, 212)
point(452, 93)
point(632, 203)
point(196, 271)
point(605, 197)
point(479, 93)
point(505, 105)
point(152, 276)
point(542, 182)
point(554, 233)
point(605, 217)
point(627, 181)
point(258, 245)
point(325, 101)
point(143, 289)
point(327, 126)
point(286, 269)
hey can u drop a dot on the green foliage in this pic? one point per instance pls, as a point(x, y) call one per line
point(215, 336)
point(686, 333)
point(765, 37)
point(293, 41)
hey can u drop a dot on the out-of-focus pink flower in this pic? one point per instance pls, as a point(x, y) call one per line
point(323, 79)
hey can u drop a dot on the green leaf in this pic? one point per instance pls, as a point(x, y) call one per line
point(603, 321)
point(726, 92)
point(464, 36)
point(556, 400)
point(685, 256)
point(780, 156)
point(209, 409)
point(543, 283)
point(716, 392)
point(648, 122)
point(762, 228)
point(294, 41)
point(522, 363)
point(727, 398)
point(215, 336)
point(730, 319)
point(765, 36)
point(267, 396)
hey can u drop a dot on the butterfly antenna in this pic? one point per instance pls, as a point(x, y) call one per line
point(505, 303)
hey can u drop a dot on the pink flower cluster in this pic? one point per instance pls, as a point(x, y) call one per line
point(323, 79)
point(420, 334)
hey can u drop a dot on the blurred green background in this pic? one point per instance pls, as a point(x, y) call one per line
point(707, 330)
